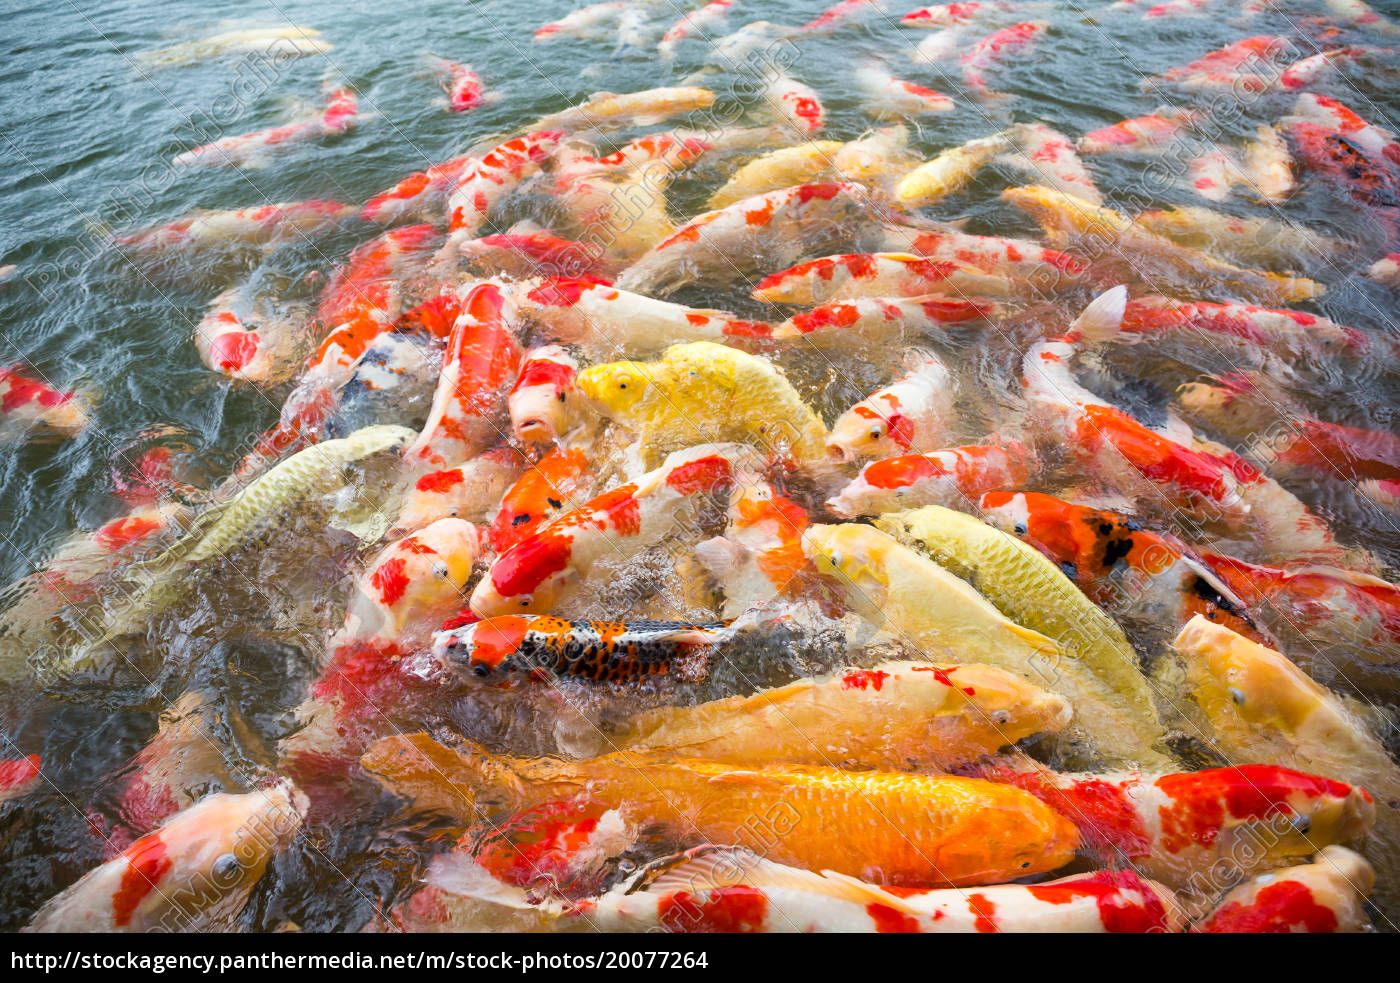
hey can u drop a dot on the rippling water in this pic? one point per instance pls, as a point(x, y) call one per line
point(86, 131)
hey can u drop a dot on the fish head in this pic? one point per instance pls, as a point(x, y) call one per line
point(1006, 705)
point(485, 652)
point(851, 554)
point(529, 577)
point(864, 432)
point(616, 388)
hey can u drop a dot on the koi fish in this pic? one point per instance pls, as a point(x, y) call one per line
point(481, 360)
point(1283, 332)
point(1325, 896)
point(582, 22)
point(700, 22)
point(634, 33)
point(1268, 166)
point(886, 95)
point(950, 171)
point(259, 352)
point(514, 647)
point(557, 482)
point(924, 830)
point(1213, 174)
point(1245, 66)
point(1186, 829)
point(756, 232)
point(877, 158)
point(482, 186)
point(601, 317)
point(855, 275)
point(1018, 40)
point(193, 874)
point(32, 403)
point(1065, 215)
point(539, 404)
point(913, 411)
point(1367, 179)
point(550, 565)
point(1335, 117)
point(413, 584)
point(1315, 68)
point(535, 254)
point(840, 13)
point(714, 889)
point(952, 477)
point(1150, 134)
point(262, 225)
point(419, 196)
point(794, 104)
point(895, 716)
point(609, 111)
point(1261, 241)
point(706, 391)
point(287, 41)
point(1361, 14)
point(463, 86)
point(1050, 155)
point(19, 776)
point(471, 491)
point(1116, 562)
point(953, 14)
point(782, 168)
point(251, 149)
point(179, 763)
point(1386, 270)
point(875, 320)
point(938, 46)
point(1019, 260)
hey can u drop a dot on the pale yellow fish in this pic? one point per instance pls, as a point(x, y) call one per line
point(609, 110)
point(1268, 166)
point(1265, 241)
point(949, 171)
point(895, 715)
point(809, 161)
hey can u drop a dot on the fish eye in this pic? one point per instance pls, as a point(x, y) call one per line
point(440, 569)
point(1237, 696)
point(480, 670)
point(1001, 716)
point(876, 433)
point(226, 867)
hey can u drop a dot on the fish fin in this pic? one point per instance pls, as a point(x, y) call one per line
point(719, 556)
point(1103, 318)
point(1210, 577)
point(1041, 643)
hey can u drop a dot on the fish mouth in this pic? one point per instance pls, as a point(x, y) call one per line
point(534, 430)
point(840, 453)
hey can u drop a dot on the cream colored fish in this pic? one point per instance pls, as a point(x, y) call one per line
point(276, 43)
point(1264, 241)
point(894, 716)
point(610, 111)
point(877, 159)
point(703, 392)
point(1064, 215)
point(1268, 166)
point(812, 160)
point(1030, 590)
point(949, 171)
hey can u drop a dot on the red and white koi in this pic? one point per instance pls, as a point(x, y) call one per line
point(1150, 134)
point(953, 14)
point(1017, 259)
point(420, 196)
point(471, 491)
point(1314, 68)
point(1211, 175)
point(514, 648)
point(757, 232)
point(230, 347)
point(481, 360)
point(795, 104)
point(731, 890)
point(1245, 66)
point(1177, 8)
point(560, 481)
point(1359, 13)
point(952, 478)
point(1386, 271)
point(605, 319)
point(550, 565)
point(1051, 157)
point(582, 22)
point(251, 149)
point(193, 874)
point(911, 413)
point(760, 553)
point(856, 275)
point(885, 95)
point(1325, 896)
point(1019, 40)
point(464, 88)
point(31, 403)
point(1334, 116)
point(708, 18)
point(1287, 333)
point(495, 176)
point(867, 320)
point(413, 584)
point(20, 776)
point(541, 409)
point(260, 225)
point(533, 254)
point(841, 13)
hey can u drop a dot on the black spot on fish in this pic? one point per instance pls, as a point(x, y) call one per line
point(1115, 549)
point(522, 517)
point(554, 503)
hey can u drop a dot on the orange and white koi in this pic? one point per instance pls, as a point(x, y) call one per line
point(611, 111)
point(1050, 155)
point(868, 320)
point(32, 403)
point(602, 318)
point(251, 149)
point(419, 196)
point(482, 358)
point(777, 227)
point(922, 830)
point(1177, 828)
point(1019, 39)
point(950, 171)
point(1150, 134)
point(582, 22)
point(910, 413)
point(887, 95)
point(710, 889)
point(700, 22)
point(1020, 260)
point(260, 225)
point(894, 716)
point(1326, 896)
point(559, 481)
point(760, 553)
point(952, 478)
point(534, 254)
point(1334, 116)
point(413, 584)
point(856, 275)
point(795, 104)
point(1359, 13)
point(540, 406)
point(1286, 333)
point(514, 648)
point(471, 491)
point(1118, 564)
point(232, 348)
point(463, 86)
point(193, 874)
point(1245, 66)
point(496, 175)
point(840, 13)
point(550, 565)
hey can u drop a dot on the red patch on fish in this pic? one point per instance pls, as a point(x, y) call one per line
point(889, 921)
point(438, 482)
point(1106, 887)
point(864, 678)
point(729, 910)
point(147, 863)
point(706, 474)
point(390, 580)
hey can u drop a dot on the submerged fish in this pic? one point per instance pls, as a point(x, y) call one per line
point(1325, 896)
point(29, 402)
